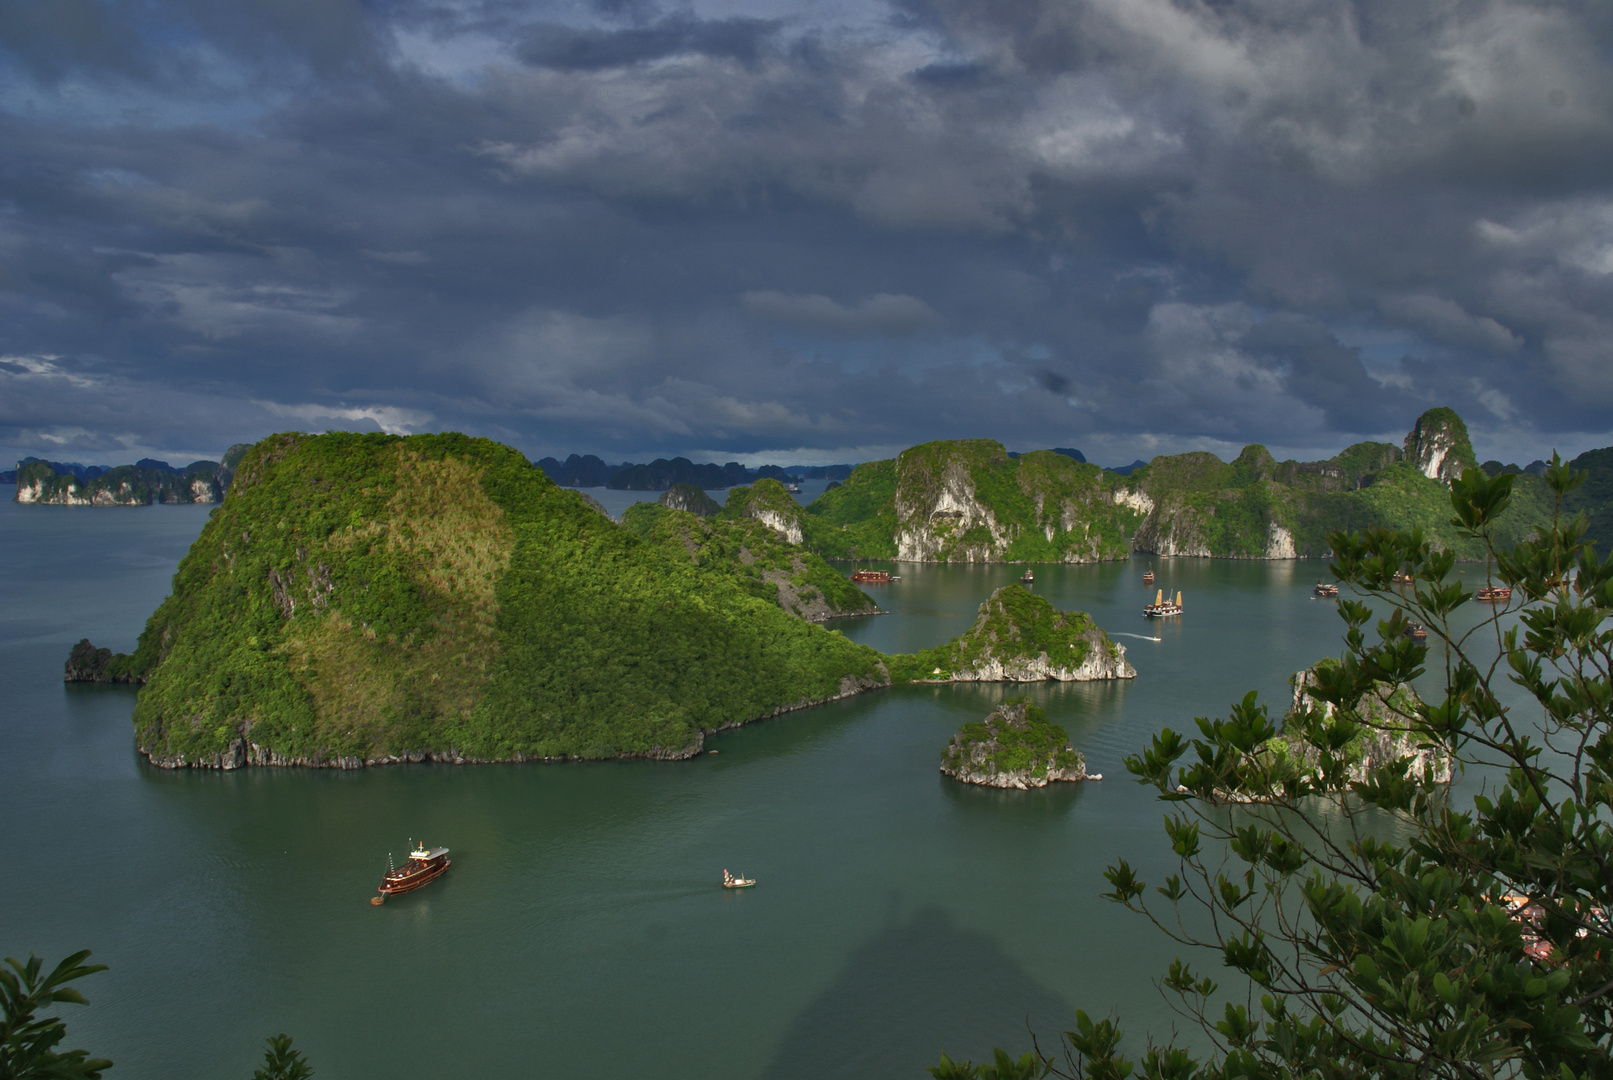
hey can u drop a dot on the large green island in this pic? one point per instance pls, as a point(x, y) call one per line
point(363, 599)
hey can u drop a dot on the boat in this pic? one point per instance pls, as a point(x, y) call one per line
point(1416, 630)
point(1530, 915)
point(1027, 577)
point(792, 487)
point(1162, 607)
point(729, 881)
point(424, 865)
point(1148, 577)
point(1494, 593)
point(1324, 589)
point(1401, 577)
point(873, 577)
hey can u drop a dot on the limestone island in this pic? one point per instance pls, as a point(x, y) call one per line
point(1021, 637)
point(1385, 716)
point(360, 599)
point(1378, 729)
point(1015, 747)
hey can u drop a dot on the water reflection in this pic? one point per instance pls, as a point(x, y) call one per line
point(1051, 801)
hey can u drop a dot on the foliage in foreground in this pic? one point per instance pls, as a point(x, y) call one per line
point(1373, 928)
point(28, 1042)
point(281, 1062)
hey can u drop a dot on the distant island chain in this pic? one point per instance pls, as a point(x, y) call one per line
point(358, 599)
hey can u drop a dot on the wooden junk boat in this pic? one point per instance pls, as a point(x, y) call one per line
point(1416, 630)
point(1161, 607)
point(1324, 589)
point(873, 577)
point(424, 866)
point(1494, 593)
point(729, 881)
point(1148, 577)
point(1027, 577)
point(1401, 577)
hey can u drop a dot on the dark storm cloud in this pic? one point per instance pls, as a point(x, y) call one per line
point(1126, 225)
point(591, 49)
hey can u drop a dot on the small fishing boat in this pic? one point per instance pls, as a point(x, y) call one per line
point(425, 865)
point(1324, 589)
point(873, 577)
point(1148, 577)
point(1401, 577)
point(1416, 631)
point(1494, 593)
point(1163, 607)
point(1027, 577)
point(729, 881)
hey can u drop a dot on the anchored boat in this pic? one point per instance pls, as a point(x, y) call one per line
point(424, 865)
point(1148, 577)
point(1416, 631)
point(1494, 593)
point(873, 577)
point(1163, 607)
point(1027, 577)
point(1324, 589)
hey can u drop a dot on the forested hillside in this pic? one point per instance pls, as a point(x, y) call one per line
point(971, 501)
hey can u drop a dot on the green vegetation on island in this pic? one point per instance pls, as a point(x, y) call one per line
point(370, 597)
point(1019, 637)
point(125, 485)
point(1361, 734)
point(754, 555)
point(1362, 922)
point(1016, 746)
point(969, 500)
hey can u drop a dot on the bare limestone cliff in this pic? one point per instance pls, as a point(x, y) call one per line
point(972, 501)
point(1439, 447)
point(1385, 716)
point(969, 501)
point(767, 502)
point(141, 484)
point(690, 498)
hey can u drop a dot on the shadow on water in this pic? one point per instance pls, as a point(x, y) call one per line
point(918, 989)
point(1054, 800)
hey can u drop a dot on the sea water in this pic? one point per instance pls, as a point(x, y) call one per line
point(897, 915)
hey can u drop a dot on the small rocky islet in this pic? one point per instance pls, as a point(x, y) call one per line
point(1017, 746)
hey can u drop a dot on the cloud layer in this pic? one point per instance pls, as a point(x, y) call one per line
point(1131, 226)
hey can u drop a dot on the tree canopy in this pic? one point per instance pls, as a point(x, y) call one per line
point(1375, 925)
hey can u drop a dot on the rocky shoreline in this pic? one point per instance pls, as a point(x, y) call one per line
point(1015, 747)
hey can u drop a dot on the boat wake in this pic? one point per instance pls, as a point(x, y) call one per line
point(1139, 637)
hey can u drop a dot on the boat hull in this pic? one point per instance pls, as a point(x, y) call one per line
point(397, 886)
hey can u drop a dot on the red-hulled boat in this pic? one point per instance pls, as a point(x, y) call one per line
point(1494, 593)
point(424, 865)
point(872, 577)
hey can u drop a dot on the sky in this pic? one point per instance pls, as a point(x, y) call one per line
point(805, 232)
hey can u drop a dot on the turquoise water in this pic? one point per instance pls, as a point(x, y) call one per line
point(581, 929)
